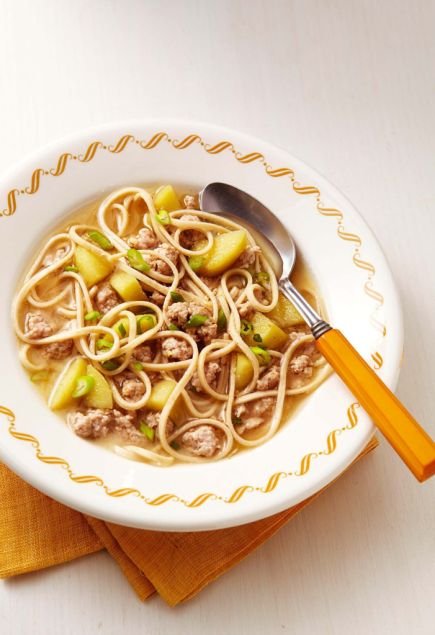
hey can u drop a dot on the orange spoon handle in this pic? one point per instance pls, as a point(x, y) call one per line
point(411, 442)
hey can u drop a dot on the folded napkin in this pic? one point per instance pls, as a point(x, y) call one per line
point(37, 532)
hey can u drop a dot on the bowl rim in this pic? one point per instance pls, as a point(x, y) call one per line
point(393, 298)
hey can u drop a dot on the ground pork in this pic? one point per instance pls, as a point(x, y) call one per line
point(145, 239)
point(201, 441)
point(253, 414)
point(269, 380)
point(51, 258)
point(190, 202)
point(152, 419)
point(189, 237)
point(37, 326)
point(131, 387)
point(176, 349)
point(211, 371)
point(301, 365)
point(106, 298)
point(95, 423)
point(180, 312)
point(143, 353)
point(157, 298)
point(247, 258)
point(57, 350)
point(160, 265)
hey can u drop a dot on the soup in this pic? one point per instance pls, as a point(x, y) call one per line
point(160, 328)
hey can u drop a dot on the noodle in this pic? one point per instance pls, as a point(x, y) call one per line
point(163, 343)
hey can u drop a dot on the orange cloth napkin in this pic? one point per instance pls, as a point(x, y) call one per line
point(37, 532)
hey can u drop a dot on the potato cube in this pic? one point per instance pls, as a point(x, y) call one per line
point(272, 336)
point(224, 252)
point(166, 198)
point(285, 314)
point(100, 396)
point(244, 371)
point(61, 395)
point(91, 266)
point(127, 286)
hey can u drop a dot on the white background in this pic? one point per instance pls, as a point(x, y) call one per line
point(349, 87)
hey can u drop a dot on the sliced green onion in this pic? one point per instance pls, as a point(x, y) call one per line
point(262, 355)
point(137, 366)
point(176, 297)
point(147, 431)
point(236, 421)
point(84, 384)
point(173, 327)
point(174, 445)
point(92, 315)
point(196, 262)
point(145, 322)
point(163, 217)
point(121, 329)
point(100, 239)
point(104, 344)
point(222, 321)
point(71, 268)
point(262, 277)
point(246, 327)
point(40, 375)
point(257, 337)
point(196, 320)
point(110, 364)
point(136, 260)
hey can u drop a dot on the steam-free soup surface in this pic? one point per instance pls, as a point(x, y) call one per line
point(158, 330)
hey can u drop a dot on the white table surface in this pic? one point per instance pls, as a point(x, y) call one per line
point(347, 85)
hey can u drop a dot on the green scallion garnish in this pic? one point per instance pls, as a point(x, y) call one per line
point(222, 321)
point(163, 217)
point(147, 431)
point(246, 327)
point(71, 268)
point(104, 344)
point(84, 385)
point(145, 322)
point(136, 260)
point(262, 355)
point(236, 421)
point(196, 320)
point(173, 327)
point(137, 366)
point(121, 330)
point(262, 277)
point(110, 364)
point(176, 297)
point(92, 315)
point(100, 239)
point(196, 262)
point(257, 337)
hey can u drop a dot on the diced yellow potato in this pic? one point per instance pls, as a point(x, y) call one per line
point(127, 286)
point(101, 394)
point(61, 395)
point(272, 336)
point(224, 252)
point(92, 267)
point(166, 198)
point(244, 371)
point(160, 393)
point(285, 314)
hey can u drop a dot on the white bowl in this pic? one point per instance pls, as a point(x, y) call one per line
point(328, 430)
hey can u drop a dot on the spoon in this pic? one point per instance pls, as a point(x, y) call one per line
point(407, 437)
